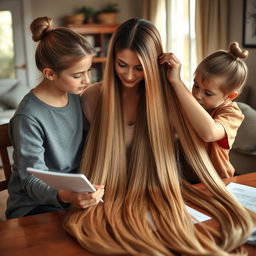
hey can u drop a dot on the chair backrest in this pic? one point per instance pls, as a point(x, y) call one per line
point(5, 142)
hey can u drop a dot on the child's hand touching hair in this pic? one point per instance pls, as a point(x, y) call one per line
point(174, 67)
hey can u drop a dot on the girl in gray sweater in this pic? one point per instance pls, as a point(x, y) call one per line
point(47, 129)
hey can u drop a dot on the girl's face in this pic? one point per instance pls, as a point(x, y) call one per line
point(208, 92)
point(76, 78)
point(128, 68)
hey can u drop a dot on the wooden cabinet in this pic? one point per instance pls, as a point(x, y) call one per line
point(98, 35)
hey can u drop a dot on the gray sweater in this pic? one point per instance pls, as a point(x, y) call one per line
point(44, 137)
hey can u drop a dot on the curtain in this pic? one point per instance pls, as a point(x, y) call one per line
point(155, 11)
point(211, 26)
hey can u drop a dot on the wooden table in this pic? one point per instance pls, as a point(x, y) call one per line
point(43, 234)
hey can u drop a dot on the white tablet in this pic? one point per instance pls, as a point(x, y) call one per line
point(75, 182)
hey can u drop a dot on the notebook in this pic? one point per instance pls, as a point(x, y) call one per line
point(76, 182)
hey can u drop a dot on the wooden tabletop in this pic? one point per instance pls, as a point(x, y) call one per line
point(40, 235)
point(43, 234)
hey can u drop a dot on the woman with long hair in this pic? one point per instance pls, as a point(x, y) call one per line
point(134, 116)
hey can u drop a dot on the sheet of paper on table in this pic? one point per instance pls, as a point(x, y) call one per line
point(199, 217)
point(246, 196)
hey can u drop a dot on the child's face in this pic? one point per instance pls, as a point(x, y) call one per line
point(208, 92)
point(76, 78)
point(128, 68)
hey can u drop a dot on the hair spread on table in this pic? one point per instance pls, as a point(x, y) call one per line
point(57, 48)
point(228, 64)
point(144, 210)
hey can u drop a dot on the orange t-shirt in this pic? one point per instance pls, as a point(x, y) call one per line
point(230, 117)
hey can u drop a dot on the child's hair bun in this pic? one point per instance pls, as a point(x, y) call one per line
point(40, 27)
point(237, 52)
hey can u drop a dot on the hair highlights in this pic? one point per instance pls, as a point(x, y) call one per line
point(144, 209)
point(58, 48)
point(227, 64)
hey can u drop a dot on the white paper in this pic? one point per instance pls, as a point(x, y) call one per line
point(245, 195)
point(76, 182)
point(199, 217)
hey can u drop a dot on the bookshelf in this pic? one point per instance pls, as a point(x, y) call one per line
point(98, 35)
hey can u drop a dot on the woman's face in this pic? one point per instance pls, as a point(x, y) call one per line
point(128, 68)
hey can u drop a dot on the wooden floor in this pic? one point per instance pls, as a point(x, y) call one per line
point(3, 198)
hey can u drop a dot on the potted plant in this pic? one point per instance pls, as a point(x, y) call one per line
point(89, 13)
point(107, 15)
point(76, 19)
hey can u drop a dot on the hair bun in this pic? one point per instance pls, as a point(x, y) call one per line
point(237, 52)
point(40, 27)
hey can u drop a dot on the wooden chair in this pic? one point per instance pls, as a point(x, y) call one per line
point(4, 143)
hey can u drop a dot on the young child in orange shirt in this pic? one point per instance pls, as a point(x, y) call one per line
point(219, 79)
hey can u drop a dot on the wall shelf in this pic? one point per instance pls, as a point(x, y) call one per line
point(98, 35)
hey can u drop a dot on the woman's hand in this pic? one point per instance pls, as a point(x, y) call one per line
point(81, 200)
point(174, 67)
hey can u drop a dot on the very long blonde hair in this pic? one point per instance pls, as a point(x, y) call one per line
point(144, 209)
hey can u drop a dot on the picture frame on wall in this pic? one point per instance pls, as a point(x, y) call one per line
point(249, 24)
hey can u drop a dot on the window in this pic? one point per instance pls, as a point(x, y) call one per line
point(6, 46)
point(180, 35)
